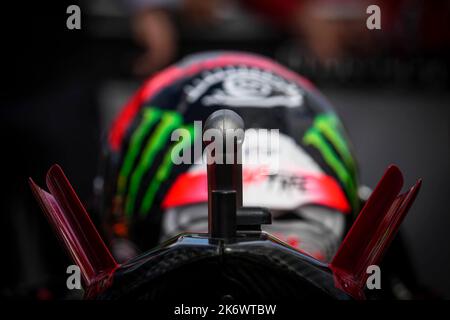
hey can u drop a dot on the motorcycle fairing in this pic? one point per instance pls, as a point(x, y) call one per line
point(74, 227)
point(372, 232)
point(364, 245)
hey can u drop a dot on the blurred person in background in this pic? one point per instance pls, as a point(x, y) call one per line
point(155, 28)
point(326, 31)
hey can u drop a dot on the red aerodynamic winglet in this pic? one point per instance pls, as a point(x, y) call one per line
point(74, 227)
point(372, 232)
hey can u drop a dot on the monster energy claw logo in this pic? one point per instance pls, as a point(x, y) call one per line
point(141, 154)
point(327, 136)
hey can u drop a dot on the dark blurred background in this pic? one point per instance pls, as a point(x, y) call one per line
point(60, 89)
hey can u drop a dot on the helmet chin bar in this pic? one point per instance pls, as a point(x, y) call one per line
point(234, 239)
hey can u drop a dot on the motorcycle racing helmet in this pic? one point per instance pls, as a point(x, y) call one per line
point(310, 188)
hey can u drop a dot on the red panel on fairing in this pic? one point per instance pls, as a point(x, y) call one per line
point(372, 232)
point(74, 227)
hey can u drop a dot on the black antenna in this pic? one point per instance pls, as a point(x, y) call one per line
point(224, 130)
